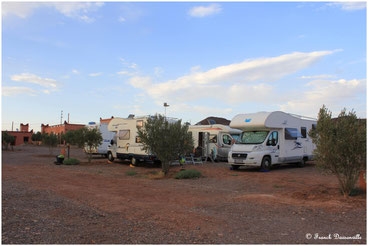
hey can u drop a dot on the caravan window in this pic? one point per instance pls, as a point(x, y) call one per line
point(303, 131)
point(139, 123)
point(124, 134)
point(213, 138)
point(291, 133)
point(138, 140)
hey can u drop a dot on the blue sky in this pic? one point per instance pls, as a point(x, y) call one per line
point(101, 59)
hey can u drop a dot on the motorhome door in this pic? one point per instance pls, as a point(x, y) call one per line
point(273, 144)
point(224, 143)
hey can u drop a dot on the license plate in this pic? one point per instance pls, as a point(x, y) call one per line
point(238, 161)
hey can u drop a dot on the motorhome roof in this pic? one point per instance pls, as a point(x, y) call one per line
point(262, 120)
point(214, 127)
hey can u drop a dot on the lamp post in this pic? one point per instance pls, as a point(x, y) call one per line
point(166, 105)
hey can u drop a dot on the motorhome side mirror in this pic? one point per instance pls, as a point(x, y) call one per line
point(112, 142)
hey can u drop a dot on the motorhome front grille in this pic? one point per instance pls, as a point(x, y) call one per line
point(239, 155)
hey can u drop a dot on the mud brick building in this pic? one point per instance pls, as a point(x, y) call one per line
point(22, 136)
point(62, 128)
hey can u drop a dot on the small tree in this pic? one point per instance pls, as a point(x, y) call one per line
point(36, 136)
point(50, 140)
point(7, 139)
point(167, 141)
point(93, 139)
point(340, 146)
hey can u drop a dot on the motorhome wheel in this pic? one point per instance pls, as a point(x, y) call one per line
point(110, 157)
point(266, 163)
point(235, 167)
point(301, 163)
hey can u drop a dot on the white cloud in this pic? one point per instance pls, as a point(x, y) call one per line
point(124, 72)
point(94, 74)
point(77, 10)
point(75, 71)
point(335, 94)
point(158, 71)
point(320, 76)
point(349, 6)
point(121, 19)
point(203, 11)
point(232, 83)
point(32, 78)
point(203, 110)
point(9, 91)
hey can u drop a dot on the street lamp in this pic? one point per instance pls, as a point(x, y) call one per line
point(166, 105)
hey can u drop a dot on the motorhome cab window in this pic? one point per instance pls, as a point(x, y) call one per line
point(124, 134)
point(139, 123)
point(273, 138)
point(291, 133)
point(255, 137)
point(303, 131)
point(236, 137)
point(226, 139)
point(213, 138)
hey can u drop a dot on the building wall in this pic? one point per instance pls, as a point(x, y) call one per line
point(23, 136)
point(58, 129)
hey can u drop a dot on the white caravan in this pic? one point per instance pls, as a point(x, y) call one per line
point(270, 138)
point(107, 136)
point(126, 143)
point(213, 140)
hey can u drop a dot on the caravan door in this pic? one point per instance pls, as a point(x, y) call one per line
point(273, 145)
point(293, 146)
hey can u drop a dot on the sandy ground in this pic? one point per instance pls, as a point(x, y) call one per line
point(99, 203)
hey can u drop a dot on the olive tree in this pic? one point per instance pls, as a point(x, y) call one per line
point(340, 146)
point(51, 140)
point(167, 141)
point(7, 139)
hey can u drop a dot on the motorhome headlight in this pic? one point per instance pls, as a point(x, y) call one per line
point(257, 148)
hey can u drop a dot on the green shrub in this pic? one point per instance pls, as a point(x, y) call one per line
point(130, 173)
point(188, 174)
point(71, 161)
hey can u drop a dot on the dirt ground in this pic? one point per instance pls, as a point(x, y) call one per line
point(99, 203)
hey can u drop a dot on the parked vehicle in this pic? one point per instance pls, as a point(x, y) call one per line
point(213, 140)
point(106, 135)
point(126, 144)
point(270, 138)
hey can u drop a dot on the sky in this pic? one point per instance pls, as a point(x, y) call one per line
point(103, 59)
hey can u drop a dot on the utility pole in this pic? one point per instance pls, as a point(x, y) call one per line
point(68, 118)
point(12, 125)
point(61, 118)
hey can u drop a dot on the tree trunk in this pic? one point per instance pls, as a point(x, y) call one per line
point(165, 167)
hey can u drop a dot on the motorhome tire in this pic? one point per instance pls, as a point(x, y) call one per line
point(110, 157)
point(266, 163)
point(235, 167)
point(301, 163)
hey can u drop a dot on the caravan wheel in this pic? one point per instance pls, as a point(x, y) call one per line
point(110, 157)
point(301, 163)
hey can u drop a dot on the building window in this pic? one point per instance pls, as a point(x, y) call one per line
point(303, 131)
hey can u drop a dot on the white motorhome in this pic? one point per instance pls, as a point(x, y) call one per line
point(107, 136)
point(270, 138)
point(213, 140)
point(126, 143)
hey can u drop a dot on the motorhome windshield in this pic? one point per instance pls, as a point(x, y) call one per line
point(236, 137)
point(254, 137)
